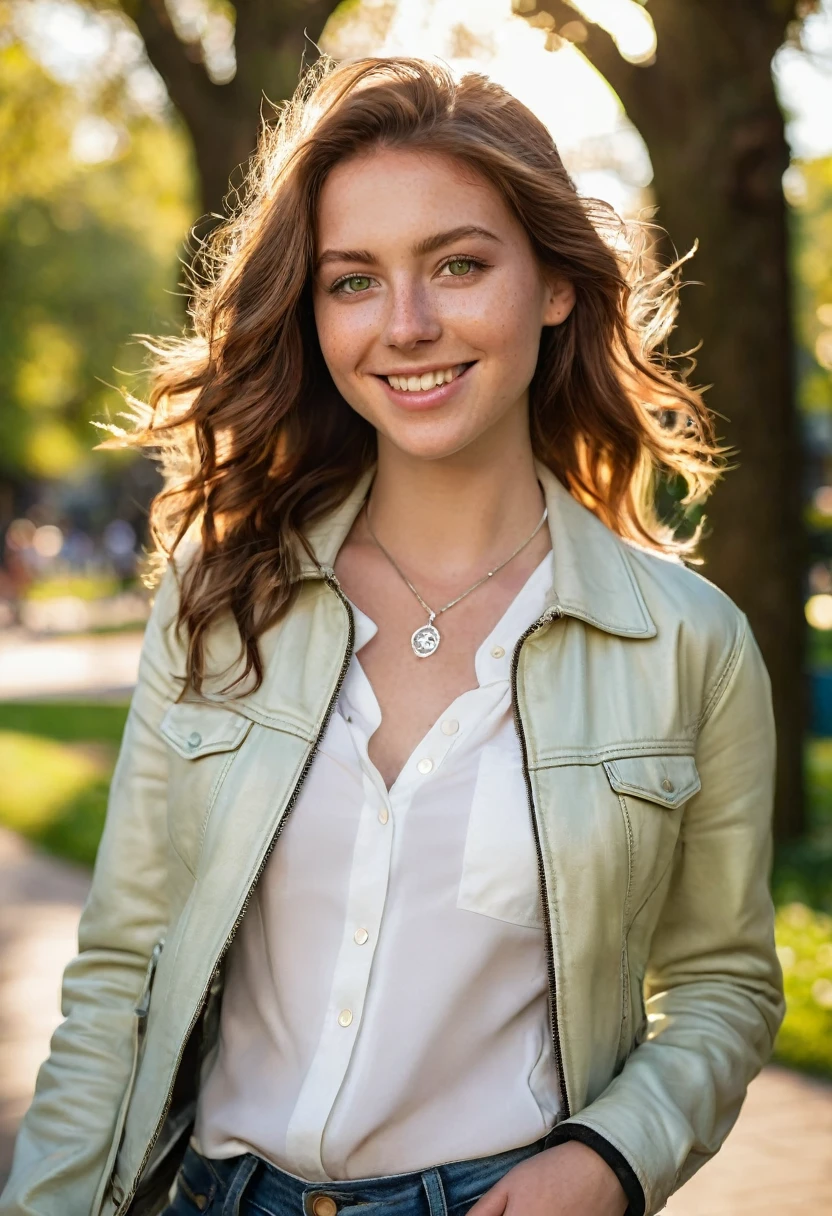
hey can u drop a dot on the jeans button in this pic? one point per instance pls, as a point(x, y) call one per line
point(322, 1205)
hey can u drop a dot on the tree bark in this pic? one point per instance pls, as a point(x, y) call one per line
point(707, 110)
point(272, 42)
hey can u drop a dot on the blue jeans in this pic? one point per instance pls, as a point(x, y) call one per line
point(250, 1186)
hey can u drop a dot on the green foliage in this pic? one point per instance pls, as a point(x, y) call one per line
point(804, 945)
point(89, 255)
point(809, 189)
point(802, 888)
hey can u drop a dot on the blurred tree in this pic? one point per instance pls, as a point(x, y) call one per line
point(706, 107)
point(809, 192)
point(220, 96)
point(90, 231)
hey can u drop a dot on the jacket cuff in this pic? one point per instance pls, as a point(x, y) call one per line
point(617, 1162)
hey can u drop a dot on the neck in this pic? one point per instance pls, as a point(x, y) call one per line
point(462, 513)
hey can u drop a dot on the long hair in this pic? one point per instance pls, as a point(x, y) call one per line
point(255, 441)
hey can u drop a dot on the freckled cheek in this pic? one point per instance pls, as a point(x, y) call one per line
point(345, 336)
point(342, 338)
point(499, 327)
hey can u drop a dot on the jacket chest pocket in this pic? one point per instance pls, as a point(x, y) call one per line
point(652, 792)
point(204, 740)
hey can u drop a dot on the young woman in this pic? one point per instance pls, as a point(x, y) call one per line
point(434, 877)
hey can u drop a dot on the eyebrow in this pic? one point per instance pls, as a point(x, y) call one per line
point(428, 245)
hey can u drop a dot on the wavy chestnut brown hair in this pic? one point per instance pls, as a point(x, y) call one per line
point(254, 440)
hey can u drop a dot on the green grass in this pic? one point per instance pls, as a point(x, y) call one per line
point(802, 888)
point(70, 722)
point(804, 944)
point(83, 586)
point(57, 759)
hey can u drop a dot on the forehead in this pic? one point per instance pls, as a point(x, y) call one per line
point(391, 195)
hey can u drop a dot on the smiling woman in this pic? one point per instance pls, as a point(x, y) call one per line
point(434, 872)
point(439, 205)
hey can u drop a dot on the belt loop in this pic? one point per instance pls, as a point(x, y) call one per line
point(432, 1182)
point(239, 1181)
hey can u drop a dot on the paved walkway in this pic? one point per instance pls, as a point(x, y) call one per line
point(40, 901)
point(94, 665)
point(776, 1162)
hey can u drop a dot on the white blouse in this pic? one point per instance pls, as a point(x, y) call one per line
point(386, 997)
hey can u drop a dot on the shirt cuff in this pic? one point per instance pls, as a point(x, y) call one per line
point(617, 1162)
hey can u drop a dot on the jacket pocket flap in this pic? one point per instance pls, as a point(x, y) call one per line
point(195, 729)
point(667, 780)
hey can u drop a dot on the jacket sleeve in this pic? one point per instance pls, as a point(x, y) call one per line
point(714, 985)
point(64, 1145)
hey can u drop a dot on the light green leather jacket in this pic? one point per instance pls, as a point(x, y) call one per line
point(643, 710)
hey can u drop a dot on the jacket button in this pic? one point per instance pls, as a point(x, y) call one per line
point(194, 739)
point(323, 1205)
point(667, 785)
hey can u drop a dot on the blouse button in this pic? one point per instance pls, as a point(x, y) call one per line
point(497, 652)
point(345, 1017)
point(383, 815)
point(450, 726)
point(360, 937)
point(425, 764)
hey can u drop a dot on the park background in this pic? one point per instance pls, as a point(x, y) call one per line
point(122, 126)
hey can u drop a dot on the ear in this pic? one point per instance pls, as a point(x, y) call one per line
point(558, 301)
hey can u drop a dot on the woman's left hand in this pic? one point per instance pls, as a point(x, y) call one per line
point(568, 1180)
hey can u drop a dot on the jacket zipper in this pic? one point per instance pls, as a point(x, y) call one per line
point(550, 615)
point(331, 581)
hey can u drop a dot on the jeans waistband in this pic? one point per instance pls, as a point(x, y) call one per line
point(227, 1187)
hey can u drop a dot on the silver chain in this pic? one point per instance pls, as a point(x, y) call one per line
point(432, 615)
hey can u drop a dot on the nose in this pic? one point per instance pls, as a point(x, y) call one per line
point(411, 317)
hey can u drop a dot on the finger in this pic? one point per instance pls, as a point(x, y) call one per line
point(492, 1203)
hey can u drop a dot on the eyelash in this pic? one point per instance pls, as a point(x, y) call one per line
point(477, 264)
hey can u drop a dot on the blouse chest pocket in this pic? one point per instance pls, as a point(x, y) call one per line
point(652, 792)
point(203, 741)
point(500, 871)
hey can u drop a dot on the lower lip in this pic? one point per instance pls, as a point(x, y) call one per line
point(429, 398)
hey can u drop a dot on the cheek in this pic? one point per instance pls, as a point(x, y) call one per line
point(343, 333)
point(505, 325)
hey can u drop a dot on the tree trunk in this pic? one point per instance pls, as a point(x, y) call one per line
point(272, 42)
point(707, 110)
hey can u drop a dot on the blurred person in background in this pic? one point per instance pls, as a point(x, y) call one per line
point(434, 875)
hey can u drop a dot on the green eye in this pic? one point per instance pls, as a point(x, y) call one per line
point(460, 266)
point(356, 283)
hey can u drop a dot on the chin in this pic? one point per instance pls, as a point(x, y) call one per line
point(427, 443)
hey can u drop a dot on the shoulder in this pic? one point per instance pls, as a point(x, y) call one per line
point(702, 625)
point(677, 591)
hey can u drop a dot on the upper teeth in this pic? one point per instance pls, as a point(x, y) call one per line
point(415, 384)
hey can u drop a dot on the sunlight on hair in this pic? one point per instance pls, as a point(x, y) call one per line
point(605, 155)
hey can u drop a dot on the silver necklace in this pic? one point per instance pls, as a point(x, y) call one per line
point(425, 640)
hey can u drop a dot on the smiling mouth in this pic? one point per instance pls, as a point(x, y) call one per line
point(425, 381)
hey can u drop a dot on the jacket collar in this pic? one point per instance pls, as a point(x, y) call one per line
point(593, 574)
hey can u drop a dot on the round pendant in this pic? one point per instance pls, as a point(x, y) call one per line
point(425, 641)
